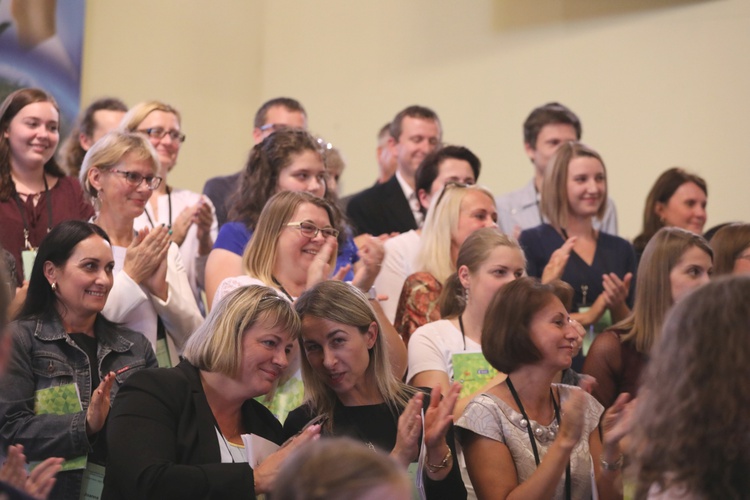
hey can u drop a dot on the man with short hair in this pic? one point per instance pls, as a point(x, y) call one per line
point(273, 115)
point(545, 129)
point(444, 165)
point(394, 206)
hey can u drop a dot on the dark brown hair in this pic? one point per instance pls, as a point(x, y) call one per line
point(506, 340)
point(728, 244)
point(664, 187)
point(550, 113)
point(14, 103)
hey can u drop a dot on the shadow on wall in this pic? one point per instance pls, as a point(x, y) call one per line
point(512, 14)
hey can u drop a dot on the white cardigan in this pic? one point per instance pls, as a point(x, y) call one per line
point(132, 305)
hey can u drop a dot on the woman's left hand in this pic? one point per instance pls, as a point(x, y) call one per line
point(437, 420)
point(98, 409)
point(371, 255)
point(618, 421)
point(439, 416)
point(320, 268)
point(406, 449)
point(616, 290)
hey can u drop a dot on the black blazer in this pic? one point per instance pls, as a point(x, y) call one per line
point(220, 190)
point(383, 208)
point(162, 440)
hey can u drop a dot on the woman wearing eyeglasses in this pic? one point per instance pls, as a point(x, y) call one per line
point(287, 160)
point(190, 216)
point(293, 249)
point(35, 193)
point(151, 293)
point(457, 212)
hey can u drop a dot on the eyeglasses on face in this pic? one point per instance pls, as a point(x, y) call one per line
point(310, 230)
point(135, 179)
point(159, 133)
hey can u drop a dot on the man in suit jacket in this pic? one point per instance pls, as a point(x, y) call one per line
point(272, 115)
point(393, 207)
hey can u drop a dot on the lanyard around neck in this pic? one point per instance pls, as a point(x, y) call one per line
point(169, 204)
point(531, 433)
point(26, 230)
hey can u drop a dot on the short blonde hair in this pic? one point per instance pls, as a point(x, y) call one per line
point(109, 151)
point(140, 111)
point(216, 346)
point(554, 204)
point(260, 254)
point(440, 225)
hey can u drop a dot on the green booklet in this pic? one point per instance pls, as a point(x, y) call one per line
point(285, 398)
point(60, 400)
point(472, 371)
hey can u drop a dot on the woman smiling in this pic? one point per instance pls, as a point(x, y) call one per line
point(349, 383)
point(151, 293)
point(64, 346)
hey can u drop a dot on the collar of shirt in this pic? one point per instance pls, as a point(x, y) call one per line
point(411, 197)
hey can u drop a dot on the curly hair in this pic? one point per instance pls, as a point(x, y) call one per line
point(693, 431)
point(260, 178)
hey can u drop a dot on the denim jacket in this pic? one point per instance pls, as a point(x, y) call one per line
point(45, 356)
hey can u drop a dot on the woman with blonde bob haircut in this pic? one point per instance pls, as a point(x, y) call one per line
point(191, 418)
point(294, 248)
point(731, 246)
point(151, 292)
point(350, 386)
point(599, 266)
point(690, 435)
point(674, 262)
point(189, 216)
point(454, 214)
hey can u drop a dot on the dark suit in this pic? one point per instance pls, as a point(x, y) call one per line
point(220, 190)
point(383, 208)
point(163, 443)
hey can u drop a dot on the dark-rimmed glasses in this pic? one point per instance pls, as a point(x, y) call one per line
point(135, 179)
point(310, 230)
point(159, 133)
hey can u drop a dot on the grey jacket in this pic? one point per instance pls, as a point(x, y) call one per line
point(45, 356)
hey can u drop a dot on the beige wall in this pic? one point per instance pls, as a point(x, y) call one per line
point(657, 83)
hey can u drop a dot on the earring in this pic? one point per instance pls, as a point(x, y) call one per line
point(466, 295)
point(54, 286)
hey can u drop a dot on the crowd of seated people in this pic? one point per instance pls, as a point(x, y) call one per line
point(419, 339)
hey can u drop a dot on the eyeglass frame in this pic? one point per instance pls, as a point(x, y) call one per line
point(128, 173)
point(175, 135)
point(298, 225)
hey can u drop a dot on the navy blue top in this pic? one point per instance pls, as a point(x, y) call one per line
point(234, 236)
point(613, 255)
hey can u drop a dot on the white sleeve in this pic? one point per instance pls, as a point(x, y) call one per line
point(125, 296)
point(179, 313)
point(425, 352)
point(390, 280)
